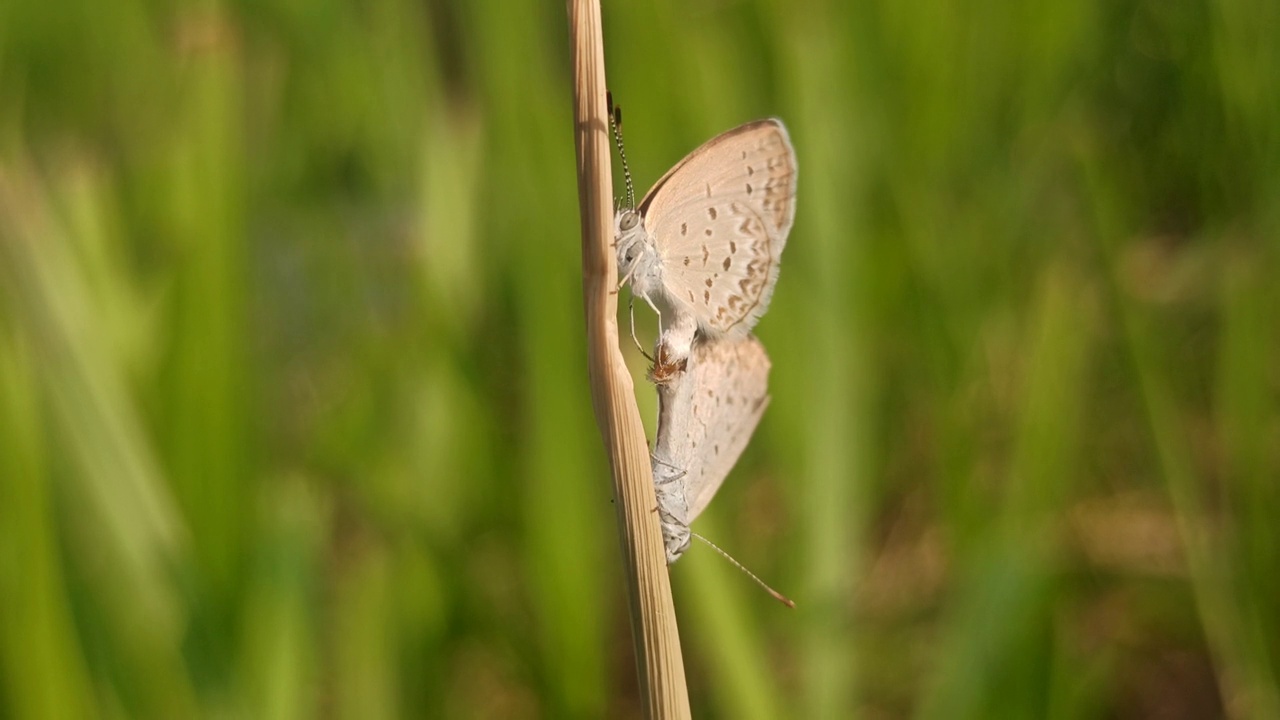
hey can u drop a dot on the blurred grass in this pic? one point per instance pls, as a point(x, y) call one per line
point(293, 408)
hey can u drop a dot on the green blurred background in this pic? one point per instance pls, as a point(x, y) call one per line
point(294, 415)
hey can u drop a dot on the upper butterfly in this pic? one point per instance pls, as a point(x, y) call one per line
point(706, 240)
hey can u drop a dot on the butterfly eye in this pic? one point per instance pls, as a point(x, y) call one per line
point(629, 221)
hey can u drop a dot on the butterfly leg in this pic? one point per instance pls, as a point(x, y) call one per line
point(657, 312)
point(679, 473)
point(664, 475)
point(631, 307)
point(625, 279)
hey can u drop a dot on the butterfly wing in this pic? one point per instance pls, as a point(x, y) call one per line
point(729, 381)
point(720, 219)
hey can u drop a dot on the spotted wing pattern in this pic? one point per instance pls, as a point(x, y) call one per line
point(719, 220)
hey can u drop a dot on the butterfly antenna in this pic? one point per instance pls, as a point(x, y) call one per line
point(615, 122)
point(776, 595)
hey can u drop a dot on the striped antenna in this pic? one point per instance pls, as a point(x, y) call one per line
point(776, 595)
point(615, 122)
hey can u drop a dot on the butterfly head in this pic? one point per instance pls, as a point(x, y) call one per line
point(637, 255)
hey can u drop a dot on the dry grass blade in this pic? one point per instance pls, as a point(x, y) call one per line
point(653, 624)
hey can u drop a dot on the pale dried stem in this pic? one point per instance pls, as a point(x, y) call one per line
point(653, 621)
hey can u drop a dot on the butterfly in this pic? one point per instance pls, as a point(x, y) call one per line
point(706, 416)
point(705, 242)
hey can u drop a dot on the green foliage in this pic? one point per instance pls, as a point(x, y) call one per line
point(294, 417)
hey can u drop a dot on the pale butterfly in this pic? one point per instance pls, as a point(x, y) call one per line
point(706, 416)
point(706, 240)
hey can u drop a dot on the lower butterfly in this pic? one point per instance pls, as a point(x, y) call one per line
point(707, 413)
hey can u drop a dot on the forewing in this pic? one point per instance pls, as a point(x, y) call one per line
point(753, 163)
point(720, 220)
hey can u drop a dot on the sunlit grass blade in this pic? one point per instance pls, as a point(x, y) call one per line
point(44, 670)
point(125, 536)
